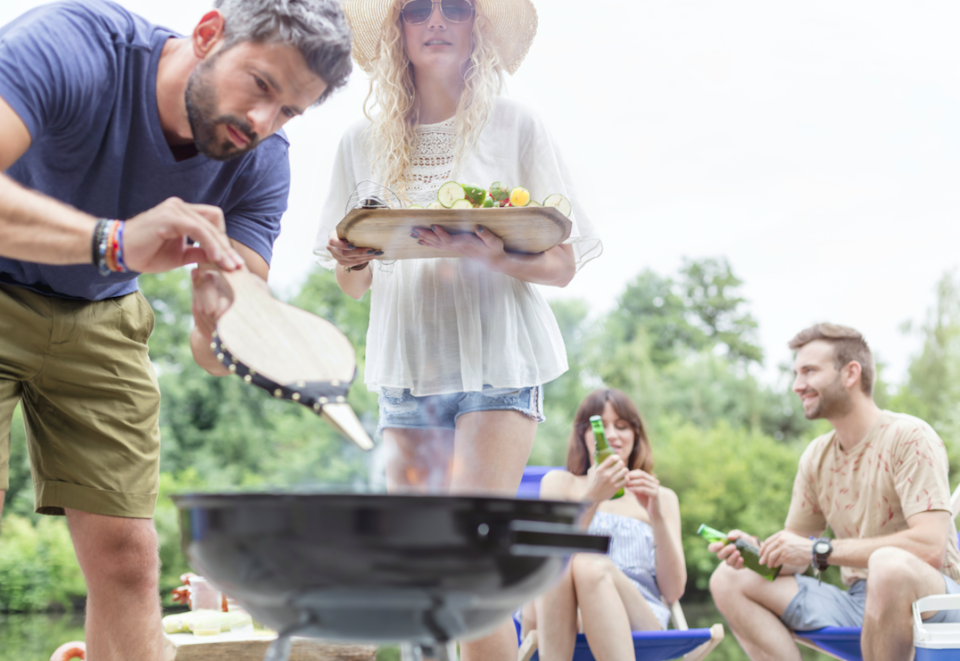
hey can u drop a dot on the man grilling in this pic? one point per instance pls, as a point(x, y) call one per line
point(120, 139)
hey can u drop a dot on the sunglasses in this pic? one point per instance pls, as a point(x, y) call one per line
point(417, 12)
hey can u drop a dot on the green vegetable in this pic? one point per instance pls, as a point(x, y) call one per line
point(560, 202)
point(475, 194)
point(177, 623)
point(435, 205)
point(449, 193)
point(462, 204)
point(499, 192)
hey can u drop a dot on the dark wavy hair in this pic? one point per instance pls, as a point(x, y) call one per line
point(317, 28)
point(578, 459)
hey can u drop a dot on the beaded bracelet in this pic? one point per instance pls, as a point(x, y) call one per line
point(107, 247)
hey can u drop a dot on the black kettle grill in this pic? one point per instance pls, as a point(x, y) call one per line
point(377, 568)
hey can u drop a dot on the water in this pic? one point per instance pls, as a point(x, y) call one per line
point(34, 637)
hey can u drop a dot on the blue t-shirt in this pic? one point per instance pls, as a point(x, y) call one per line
point(83, 79)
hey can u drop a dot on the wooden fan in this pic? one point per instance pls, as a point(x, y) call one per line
point(288, 352)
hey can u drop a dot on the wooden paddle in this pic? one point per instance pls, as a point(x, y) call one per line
point(288, 352)
point(528, 230)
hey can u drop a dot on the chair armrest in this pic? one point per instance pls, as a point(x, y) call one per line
point(676, 613)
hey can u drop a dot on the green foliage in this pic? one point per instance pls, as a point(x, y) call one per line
point(739, 479)
point(38, 569)
point(699, 310)
point(932, 390)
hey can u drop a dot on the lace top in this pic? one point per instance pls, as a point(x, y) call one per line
point(432, 162)
point(450, 325)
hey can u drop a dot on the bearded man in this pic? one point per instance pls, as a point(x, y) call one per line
point(879, 481)
point(120, 140)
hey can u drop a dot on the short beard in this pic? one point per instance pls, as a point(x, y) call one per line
point(834, 402)
point(201, 100)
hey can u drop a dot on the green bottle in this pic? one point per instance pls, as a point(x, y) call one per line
point(602, 449)
point(749, 552)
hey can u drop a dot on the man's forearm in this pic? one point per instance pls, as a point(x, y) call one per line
point(857, 552)
point(37, 228)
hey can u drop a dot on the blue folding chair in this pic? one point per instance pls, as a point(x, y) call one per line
point(680, 643)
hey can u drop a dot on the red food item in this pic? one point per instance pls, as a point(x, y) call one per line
point(75, 649)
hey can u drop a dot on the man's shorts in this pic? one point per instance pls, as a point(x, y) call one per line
point(89, 398)
point(824, 605)
point(400, 409)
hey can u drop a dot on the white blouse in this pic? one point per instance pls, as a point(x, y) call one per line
point(450, 325)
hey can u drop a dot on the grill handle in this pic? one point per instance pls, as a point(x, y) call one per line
point(541, 538)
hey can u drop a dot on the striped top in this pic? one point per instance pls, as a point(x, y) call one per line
point(633, 551)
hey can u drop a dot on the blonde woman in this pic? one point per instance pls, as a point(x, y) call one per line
point(458, 348)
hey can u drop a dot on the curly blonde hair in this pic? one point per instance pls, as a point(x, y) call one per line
point(392, 133)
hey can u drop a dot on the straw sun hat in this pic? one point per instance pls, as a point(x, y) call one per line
point(512, 25)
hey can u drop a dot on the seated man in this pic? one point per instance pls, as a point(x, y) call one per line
point(879, 481)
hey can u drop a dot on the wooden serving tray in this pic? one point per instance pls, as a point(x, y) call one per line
point(528, 230)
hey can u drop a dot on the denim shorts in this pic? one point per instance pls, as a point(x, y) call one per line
point(400, 409)
point(822, 605)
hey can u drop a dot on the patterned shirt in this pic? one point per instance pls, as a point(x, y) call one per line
point(899, 469)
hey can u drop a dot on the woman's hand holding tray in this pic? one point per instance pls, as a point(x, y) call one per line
point(528, 230)
point(288, 352)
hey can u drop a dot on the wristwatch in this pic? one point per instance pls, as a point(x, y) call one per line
point(821, 550)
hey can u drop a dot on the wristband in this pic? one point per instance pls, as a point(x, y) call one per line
point(107, 247)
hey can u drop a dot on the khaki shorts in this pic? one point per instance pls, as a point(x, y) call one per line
point(90, 401)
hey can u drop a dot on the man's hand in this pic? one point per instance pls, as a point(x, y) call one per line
point(482, 246)
point(211, 298)
point(156, 240)
point(786, 548)
point(730, 553)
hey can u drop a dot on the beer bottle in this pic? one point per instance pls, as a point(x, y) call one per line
point(749, 552)
point(602, 449)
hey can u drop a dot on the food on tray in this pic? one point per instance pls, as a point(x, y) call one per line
point(560, 202)
point(183, 622)
point(450, 193)
point(519, 197)
point(454, 195)
point(475, 194)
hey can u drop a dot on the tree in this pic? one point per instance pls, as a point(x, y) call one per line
point(710, 289)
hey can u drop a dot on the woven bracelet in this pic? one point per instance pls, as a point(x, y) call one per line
point(108, 247)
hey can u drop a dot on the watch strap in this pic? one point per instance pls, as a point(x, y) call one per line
point(819, 560)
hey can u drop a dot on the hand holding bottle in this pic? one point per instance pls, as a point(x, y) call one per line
point(602, 450)
point(743, 552)
point(606, 479)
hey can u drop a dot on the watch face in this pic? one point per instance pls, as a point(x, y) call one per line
point(821, 547)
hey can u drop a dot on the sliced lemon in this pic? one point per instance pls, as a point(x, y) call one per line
point(519, 197)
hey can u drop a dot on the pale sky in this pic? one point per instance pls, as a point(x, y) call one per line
point(815, 144)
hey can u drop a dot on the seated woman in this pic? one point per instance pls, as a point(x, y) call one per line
point(619, 592)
